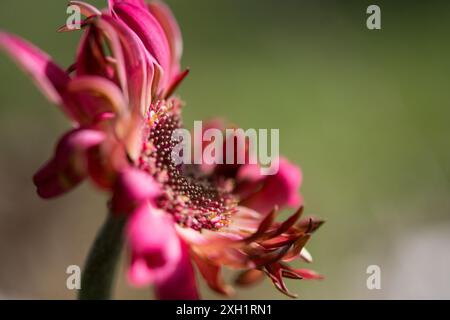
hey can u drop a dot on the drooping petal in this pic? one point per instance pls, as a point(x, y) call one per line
point(69, 165)
point(280, 189)
point(158, 256)
point(155, 247)
point(131, 188)
point(182, 284)
point(49, 77)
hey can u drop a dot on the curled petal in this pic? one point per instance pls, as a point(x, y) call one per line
point(158, 256)
point(280, 189)
point(98, 95)
point(131, 188)
point(69, 164)
point(182, 284)
point(155, 247)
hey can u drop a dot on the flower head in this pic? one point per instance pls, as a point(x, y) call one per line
point(119, 95)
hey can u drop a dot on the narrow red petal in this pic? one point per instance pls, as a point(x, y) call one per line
point(212, 274)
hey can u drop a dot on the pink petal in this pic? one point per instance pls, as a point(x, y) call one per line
point(250, 172)
point(139, 68)
point(50, 78)
point(117, 53)
point(131, 188)
point(182, 284)
point(97, 95)
point(91, 59)
point(149, 31)
point(138, 3)
point(165, 17)
point(158, 256)
point(280, 189)
point(68, 166)
point(155, 247)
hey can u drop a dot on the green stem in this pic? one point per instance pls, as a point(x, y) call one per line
point(98, 275)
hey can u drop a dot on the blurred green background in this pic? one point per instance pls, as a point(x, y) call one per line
point(365, 114)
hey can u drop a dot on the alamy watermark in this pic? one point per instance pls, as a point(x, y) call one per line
point(73, 281)
point(373, 281)
point(373, 22)
point(73, 22)
point(232, 146)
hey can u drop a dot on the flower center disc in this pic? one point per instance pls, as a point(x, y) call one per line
point(196, 200)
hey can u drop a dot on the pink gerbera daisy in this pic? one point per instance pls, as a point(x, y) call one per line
point(119, 95)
